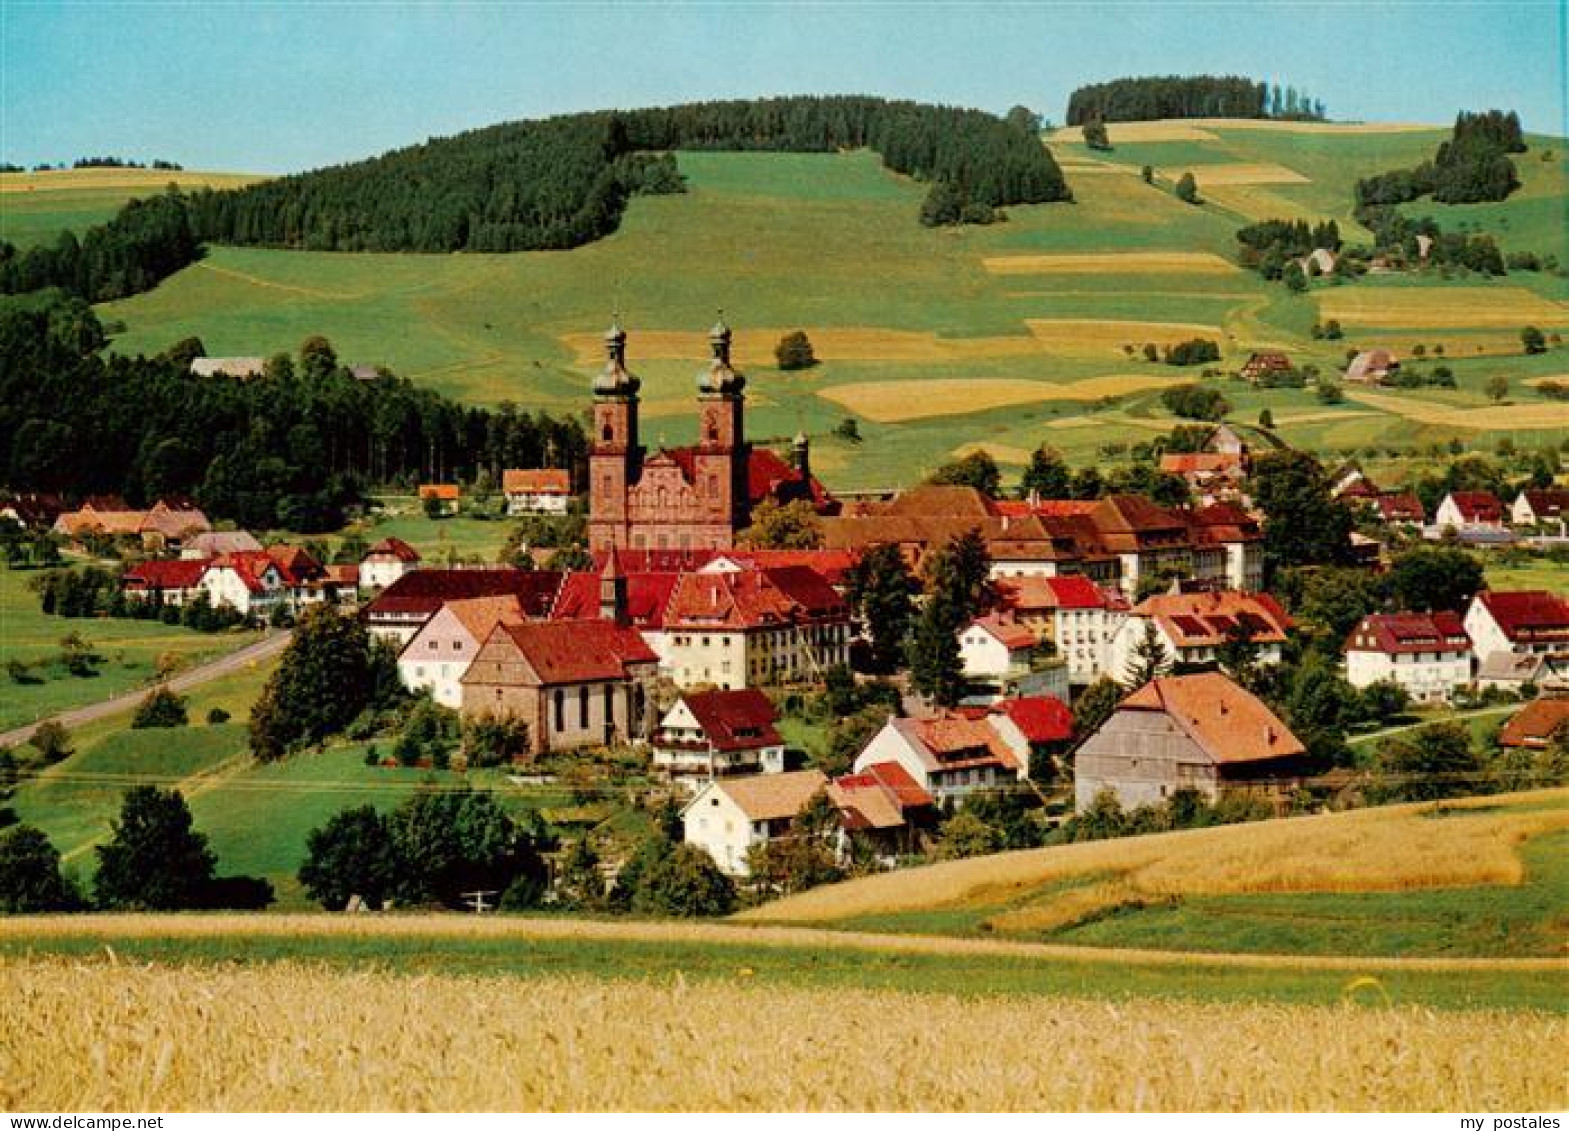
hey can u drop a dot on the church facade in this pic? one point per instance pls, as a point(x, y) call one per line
point(691, 498)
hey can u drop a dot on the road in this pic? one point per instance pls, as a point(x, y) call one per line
point(268, 646)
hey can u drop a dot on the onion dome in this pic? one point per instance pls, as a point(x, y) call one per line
point(614, 379)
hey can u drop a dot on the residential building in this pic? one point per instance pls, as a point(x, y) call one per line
point(1263, 365)
point(33, 510)
point(1522, 674)
point(1546, 510)
point(216, 543)
point(404, 606)
point(1470, 508)
point(1199, 732)
point(545, 490)
point(709, 734)
point(165, 582)
point(573, 683)
point(387, 561)
point(1035, 727)
point(1193, 627)
point(1427, 654)
point(1399, 508)
point(950, 756)
point(250, 583)
point(438, 654)
point(1372, 367)
point(1071, 615)
point(996, 648)
point(731, 814)
point(444, 498)
point(163, 526)
point(1530, 622)
point(1534, 726)
point(1210, 476)
point(883, 809)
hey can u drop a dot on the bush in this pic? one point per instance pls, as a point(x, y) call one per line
point(794, 351)
point(1194, 351)
point(160, 708)
point(30, 878)
point(52, 741)
point(217, 717)
point(685, 883)
point(155, 860)
point(1195, 402)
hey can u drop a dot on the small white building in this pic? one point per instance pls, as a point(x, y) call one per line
point(708, 734)
point(1427, 654)
point(1546, 510)
point(729, 815)
point(545, 490)
point(1469, 508)
point(441, 651)
point(387, 561)
point(1530, 622)
point(995, 648)
point(951, 756)
point(251, 584)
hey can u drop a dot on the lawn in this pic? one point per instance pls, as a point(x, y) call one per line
point(131, 651)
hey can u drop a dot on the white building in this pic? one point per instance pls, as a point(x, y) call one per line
point(1546, 510)
point(543, 490)
point(1071, 614)
point(387, 561)
point(1530, 622)
point(1469, 508)
point(251, 584)
point(1193, 627)
point(995, 648)
point(950, 756)
point(441, 651)
point(1427, 654)
point(729, 815)
point(709, 734)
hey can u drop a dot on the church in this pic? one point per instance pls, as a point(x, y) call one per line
point(692, 498)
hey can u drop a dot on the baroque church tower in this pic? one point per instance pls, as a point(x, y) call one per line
point(615, 456)
point(722, 452)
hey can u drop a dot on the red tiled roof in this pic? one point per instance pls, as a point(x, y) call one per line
point(1550, 503)
point(393, 548)
point(250, 566)
point(833, 565)
point(1229, 724)
point(1071, 591)
point(1400, 506)
point(423, 591)
point(1190, 463)
point(1528, 612)
point(536, 481)
point(446, 492)
point(578, 651)
point(735, 720)
point(1409, 633)
point(1205, 620)
point(1267, 359)
point(1045, 508)
point(1479, 506)
point(956, 742)
point(1040, 718)
point(180, 574)
point(1008, 632)
point(295, 564)
point(1535, 723)
point(657, 561)
point(753, 599)
point(647, 596)
point(897, 780)
point(767, 477)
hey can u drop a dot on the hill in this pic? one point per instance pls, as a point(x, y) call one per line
point(1483, 876)
point(36, 207)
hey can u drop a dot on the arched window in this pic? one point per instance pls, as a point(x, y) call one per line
point(582, 708)
point(561, 709)
point(609, 433)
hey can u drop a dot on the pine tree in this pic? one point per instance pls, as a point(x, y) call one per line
point(1149, 659)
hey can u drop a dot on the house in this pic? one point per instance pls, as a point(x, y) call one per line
point(1228, 546)
point(1520, 674)
point(707, 734)
point(1399, 508)
point(163, 526)
point(1350, 481)
point(242, 368)
point(1193, 627)
point(1035, 727)
point(404, 606)
point(1534, 726)
point(1210, 476)
point(1427, 654)
point(996, 648)
point(386, 562)
point(1265, 364)
point(1547, 510)
point(572, 683)
point(308, 581)
point(730, 815)
point(883, 809)
point(33, 510)
point(1470, 508)
point(1199, 732)
point(249, 582)
point(950, 756)
point(1372, 367)
point(216, 543)
point(164, 582)
point(1320, 261)
point(438, 654)
point(545, 490)
point(1530, 622)
point(1071, 615)
point(442, 498)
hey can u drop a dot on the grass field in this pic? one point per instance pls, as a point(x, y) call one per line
point(131, 650)
point(829, 244)
point(296, 1037)
point(37, 207)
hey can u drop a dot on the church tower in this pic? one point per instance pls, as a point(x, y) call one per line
point(615, 457)
point(722, 452)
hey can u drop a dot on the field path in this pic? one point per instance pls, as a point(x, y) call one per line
point(258, 281)
point(224, 665)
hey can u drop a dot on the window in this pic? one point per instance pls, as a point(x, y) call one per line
point(610, 708)
point(582, 707)
point(433, 645)
point(561, 709)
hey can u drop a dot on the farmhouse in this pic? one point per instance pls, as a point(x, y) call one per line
point(250, 583)
point(730, 815)
point(1193, 627)
point(1397, 508)
point(1372, 367)
point(1547, 509)
point(543, 490)
point(1470, 508)
point(436, 657)
point(443, 498)
point(1520, 674)
point(684, 498)
point(215, 543)
point(573, 683)
point(1266, 364)
point(884, 809)
point(1531, 622)
point(164, 582)
point(950, 756)
point(162, 526)
point(1534, 726)
point(1199, 732)
point(404, 606)
point(707, 734)
point(1427, 654)
point(1211, 476)
point(387, 561)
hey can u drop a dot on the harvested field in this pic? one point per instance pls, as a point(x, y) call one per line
point(1343, 128)
point(153, 180)
point(889, 402)
point(1243, 173)
point(1002, 453)
point(1130, 132)
point(298, 1037)
point(1111, 263)
point(1456, 344)
point(1441, 307)
point(1096, 337)
point(1389, 849)
point(1534, 416)
point(756, 347)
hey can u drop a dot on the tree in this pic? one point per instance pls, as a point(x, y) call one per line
point(1497, 387)
point(977, 470)
point(351, 855)
point(1433, 578)
point(1094, 705)
point(1320, 707)
point(1329, 392)
point(964, 834)
point(1238, 655)
point(1533, 341)
point(848, 430)
point(1025, 120)
point(494, 740)
point(154, 860)
point(1095, 136)
point(184, 351)
point(31, 882)
point(936, 665)
point(794, 351)
point(1292, 276)
point(52, 741)
point(327, 675)
point(1266, 420)
point(449, 842)
point(1047, 476)
point(1439, 760)
point(580, 885)
point(683, 883)
point(960, 571)
point(1187, 189)
point(1149, 660)
point(1303, 523)
point(805, 857)
point(1148, 174)
point(317, 357)
point(787, 526)
point(880, 588)
point(160, 708)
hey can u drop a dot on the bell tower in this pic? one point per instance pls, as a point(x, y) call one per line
point(722, 450)
point(615, 456)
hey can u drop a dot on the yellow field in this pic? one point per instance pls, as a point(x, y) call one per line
point(77, 180)
point(1386, 849)
point(1441, 307)
point(1111, 263)
point(1201, 129)
point(1002, 453)
point(756, 347)
point(1258, 201)
point(1242, 173)
point(101, 1036)
point(1457, 344)
point(889, 402)
point(1536, 415)
point(1096, 337)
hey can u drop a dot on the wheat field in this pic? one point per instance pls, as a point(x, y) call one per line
point(1441, 307)
point(1246, 173)
point(755, 347)
point(1537, 415)
point(103, 1036)
point(1098, 337)
point(889, 402)
point(1112, 263)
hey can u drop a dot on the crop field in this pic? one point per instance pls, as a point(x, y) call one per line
point(1550, 415)
point(1112, 263)
point(1097, 336)
point(37, 207)
point(893, 401)
point(1427, 308)
point(300, 1037)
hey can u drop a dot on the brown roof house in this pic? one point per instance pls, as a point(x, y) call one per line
point(542, 490)
point(730, 815)
point(1372, 367)
point(1534, 725)
point(707, 734)
point(1199, 732)
point(1264, 364)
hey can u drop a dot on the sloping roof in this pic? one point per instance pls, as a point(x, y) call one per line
point(1006, 631)
point(1477, 506)
point(657, 561)
point(753, 598)
point(1535, 723)
point(250, 566)
point(953, 741)
point(1229, 724)
point(215, 542)
point(1369, 363)
point(897, 780)
point(423, 591)
point(35, 508)
point(1399, 506)
point(833, 565)
point(773, 797)
point(446, 492)
point(1267, 360)
point(767, 477)
point(1040, 718)
point(578, 651)
point(1409, 633)
point(1205, 620)
point(647, 596)
point(395, 548)
point(734, 720)
point(1032, 593)
point(182, 573)
point(1222, 522)
point(1527, 613)
point(295, 563)
point(536, 481)
point(1550, 503)
point(480, 615)
point(941, 500)
point(174, 521)
point(1198, 463)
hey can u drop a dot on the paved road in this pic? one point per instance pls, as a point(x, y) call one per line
point(269, 645)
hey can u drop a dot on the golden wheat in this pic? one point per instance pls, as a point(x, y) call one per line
point(1537, 414)
point(889, 402)
point(1440, 307)
point(99, 1036)
point(1111, 263)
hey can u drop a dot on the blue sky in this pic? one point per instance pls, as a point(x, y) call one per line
point(274, 87)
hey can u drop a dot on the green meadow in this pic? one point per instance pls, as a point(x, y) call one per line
point(36, 207)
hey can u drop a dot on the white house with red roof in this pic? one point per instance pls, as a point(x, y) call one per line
point(166, 582)
point(1199, 732)
point(542, 490)
point(387, 561)
point(1035, 727)
point(1076, 616)
point(1546, 509)
point(707, 734)
point(251, 583)
point(1193, 627)
point(401, 609)
point(995, 648)
point(1469, 508)
point(1525, 623)
point(1427, 654)
point(950, 756)
point(438, 654)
